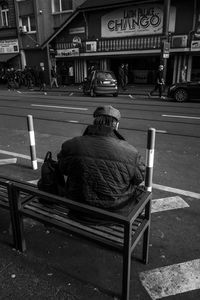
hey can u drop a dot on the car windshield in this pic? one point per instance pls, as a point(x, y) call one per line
point(104, 76)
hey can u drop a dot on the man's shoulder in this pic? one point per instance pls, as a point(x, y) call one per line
point(72, 140)
point(128, 146)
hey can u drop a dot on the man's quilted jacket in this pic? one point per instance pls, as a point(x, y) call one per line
point(102, 169)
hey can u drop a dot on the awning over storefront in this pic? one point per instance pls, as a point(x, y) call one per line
point(8, 56)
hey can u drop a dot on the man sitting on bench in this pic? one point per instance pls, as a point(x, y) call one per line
point(102, 168)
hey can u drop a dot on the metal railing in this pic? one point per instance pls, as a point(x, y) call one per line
point(119, 44)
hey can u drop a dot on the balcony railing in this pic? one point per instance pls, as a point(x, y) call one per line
point(126, 44)
point(121, 44)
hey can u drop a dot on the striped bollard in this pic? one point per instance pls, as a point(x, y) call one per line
point(32, 142)
point(150, 158)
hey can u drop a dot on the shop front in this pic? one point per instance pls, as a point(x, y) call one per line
point(195, 74)
point(9, 54)
point(132, 35)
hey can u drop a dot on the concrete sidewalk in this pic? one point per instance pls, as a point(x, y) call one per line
point(132, 89)
point(60, 266)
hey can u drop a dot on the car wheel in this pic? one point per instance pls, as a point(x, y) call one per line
point(115, 95)
point(92, 93)
point(181, 95)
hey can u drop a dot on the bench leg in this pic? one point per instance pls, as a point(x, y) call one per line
point(17, 221)
point(12, 226)
point(146, 245)
point(147, 234)
point(126, 262)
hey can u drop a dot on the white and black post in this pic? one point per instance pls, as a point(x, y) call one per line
point(32, 142)
point(150, 158)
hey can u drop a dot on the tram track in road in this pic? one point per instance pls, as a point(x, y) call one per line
point(124, 104)
point(171, 118)
point(126, 128)
point(136, 115)
point(71, 105)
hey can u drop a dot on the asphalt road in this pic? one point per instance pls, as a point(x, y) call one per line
point(175, 237)
point(57, 118)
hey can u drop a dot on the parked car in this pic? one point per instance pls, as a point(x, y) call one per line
point(100, 82)
point(184, 91)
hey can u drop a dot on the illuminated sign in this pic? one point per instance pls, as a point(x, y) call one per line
point(143, 20)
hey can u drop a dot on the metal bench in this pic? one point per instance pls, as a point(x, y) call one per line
point(124, 233)
point(5, 197)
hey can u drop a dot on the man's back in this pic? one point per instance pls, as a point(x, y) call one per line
point(102, 169)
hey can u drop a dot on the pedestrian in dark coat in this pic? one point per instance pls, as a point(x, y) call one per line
point(159, 82)
point(102, 168)
point(42, 79)
point(54, 77)
point(125, 75)
point(10, 78)
point(121, 74)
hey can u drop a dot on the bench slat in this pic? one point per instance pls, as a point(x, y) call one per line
point(114, 233)
point(75, 224)
point(117, 231)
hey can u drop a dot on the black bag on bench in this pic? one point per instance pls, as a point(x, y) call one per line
point(51, 181)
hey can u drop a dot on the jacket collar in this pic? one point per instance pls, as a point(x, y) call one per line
point(103, 131)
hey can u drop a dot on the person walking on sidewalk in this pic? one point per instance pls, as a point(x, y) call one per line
point(42, 80)
point(125, 76)
point(54, 77)
point(121, 74)
point(159, 82)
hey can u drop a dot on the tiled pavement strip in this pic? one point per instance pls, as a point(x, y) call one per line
point(172, 279)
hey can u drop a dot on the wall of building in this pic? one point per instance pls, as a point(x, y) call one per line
point(45, 22)
point(184, 15)
point(66, 36)
point(12, 17)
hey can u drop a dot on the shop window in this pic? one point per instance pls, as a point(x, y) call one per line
point(59, 6)
point(4, 14)
point(28, 23)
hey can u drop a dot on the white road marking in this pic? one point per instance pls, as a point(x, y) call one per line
point(172, 280)
point(158, 205)
point(176, 191)
point(155, 186)
point(8, 161)
point(73, 121)
point(161, 131)
point(19, 155)
point(33, 181)
point(184, 117)
point(168, 203)
point(64, 107)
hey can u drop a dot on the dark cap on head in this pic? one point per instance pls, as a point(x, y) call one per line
point(107, 110)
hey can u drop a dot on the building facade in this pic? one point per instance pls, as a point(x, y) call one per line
point(36, 21)
point(107, 33)
point(25, 25)
point(9, 45)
